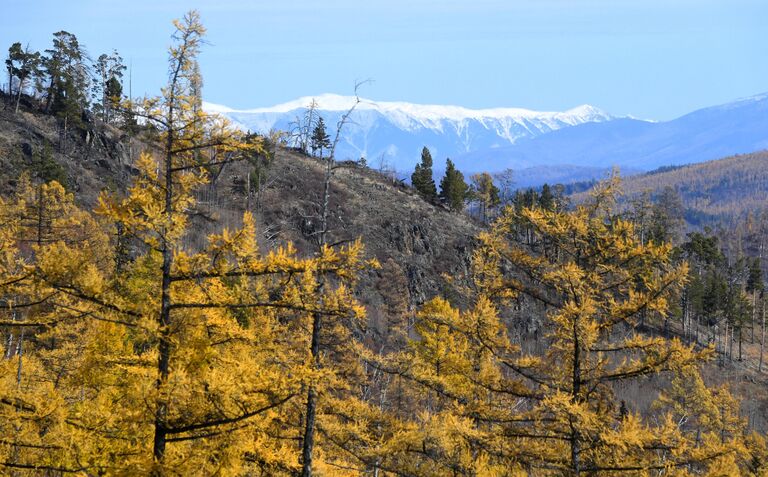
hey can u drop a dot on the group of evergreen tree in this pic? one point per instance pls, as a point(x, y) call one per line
point(227, 359)
point(546, 197)
point(722, 297)
point(487, 191)
point(454, 191)
point(722, 303)
point(65, 81)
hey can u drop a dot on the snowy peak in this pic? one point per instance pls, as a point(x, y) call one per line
point(425, 112)
point(392, 134)
point(394, 131)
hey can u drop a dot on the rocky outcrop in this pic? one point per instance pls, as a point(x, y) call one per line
point(427, 241)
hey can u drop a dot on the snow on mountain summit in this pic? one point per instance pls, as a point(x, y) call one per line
point(394, 131)
point(392, 134)
point(428, 112)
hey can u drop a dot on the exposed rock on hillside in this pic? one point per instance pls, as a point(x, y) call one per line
point(427, 242)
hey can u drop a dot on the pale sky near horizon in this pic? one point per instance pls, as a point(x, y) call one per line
point(655, 59)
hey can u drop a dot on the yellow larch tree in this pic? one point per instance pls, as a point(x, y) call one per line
point(494, 407)
point(177, 361)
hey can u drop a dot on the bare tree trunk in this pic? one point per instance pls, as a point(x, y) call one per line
point(248, 191)
point(752, 317)
point(49, 98)
point(308, 445)
point(762, 340)
point(575, 438)
point(18, 96)
point(718, 347)
point(697, 329)
point(63, 144)
point(308, 442)
point(685, 316)
point(164, 319)
point(730, 344)
point(9, 345)
point(20, 352)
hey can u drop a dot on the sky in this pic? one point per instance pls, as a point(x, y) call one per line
point(652, 59)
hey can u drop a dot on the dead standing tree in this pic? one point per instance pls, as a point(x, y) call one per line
point(300, 130)
point(308, 441)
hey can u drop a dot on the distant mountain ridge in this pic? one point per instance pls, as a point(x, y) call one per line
point(739, 127)
point(396, 131)
point(578, 144)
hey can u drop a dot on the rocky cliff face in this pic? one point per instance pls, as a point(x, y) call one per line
point(89, 157)
point(427, 242)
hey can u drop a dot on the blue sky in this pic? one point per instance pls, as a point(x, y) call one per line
point(650, 58)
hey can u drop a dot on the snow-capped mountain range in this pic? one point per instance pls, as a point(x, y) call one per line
point(580, 143)
point(396, 131)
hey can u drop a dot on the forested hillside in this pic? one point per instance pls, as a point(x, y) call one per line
point(185, 298)
point(714, 192)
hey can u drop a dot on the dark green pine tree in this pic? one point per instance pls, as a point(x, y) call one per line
point(21, 64)
point(546, 199)
point(114, 93)
point(422, 177)
point(453, 189)
point(66, 71)
point(320, 139)
point(755, 276)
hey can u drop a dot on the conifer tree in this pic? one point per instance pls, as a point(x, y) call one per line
point(23, 65)
point(67, 74)
point(666, 216)
point(320, 139)
point(422, 179)
point(108, 89)
point(186, 361)
point(68, 79)
point(453, 190)
point(485, 192)
point(546, 199)
point(492, 408)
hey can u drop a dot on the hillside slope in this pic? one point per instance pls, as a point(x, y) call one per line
point(424, 249)
point(88, 158)
point(722, 190)
point(417, 241)
point(424, 242)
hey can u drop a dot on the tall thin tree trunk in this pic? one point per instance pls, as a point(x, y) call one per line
point(307, 451)
point(63, 145)
point(18, 96)
point(752, 317)
point(308, 441)
point(575, 438)
point(697, 329)
point(164, 345)
point(49, 98)
point(762, 340)
point(20, 353)
point(730, 345)
point(248, 191)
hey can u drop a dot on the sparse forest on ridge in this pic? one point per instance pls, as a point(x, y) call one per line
point(183, 297)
